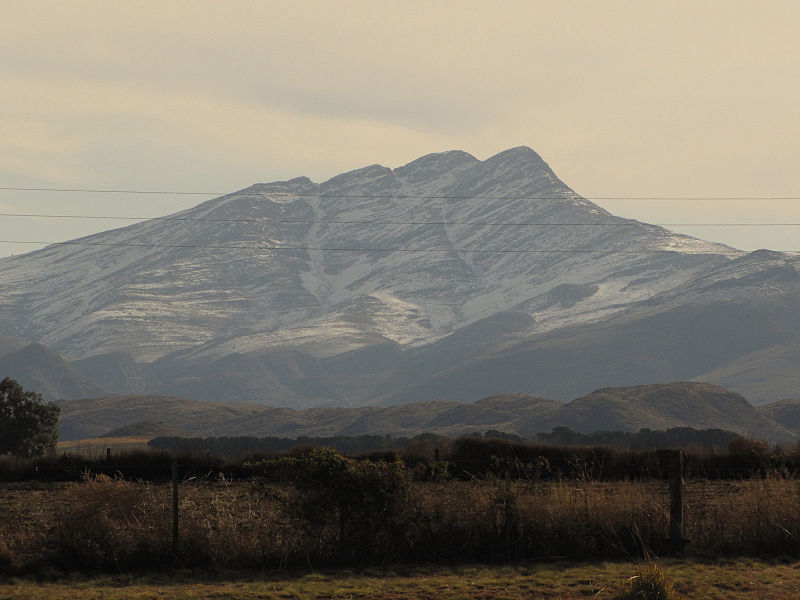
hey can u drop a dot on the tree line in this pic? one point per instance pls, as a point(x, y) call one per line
point(239, 447)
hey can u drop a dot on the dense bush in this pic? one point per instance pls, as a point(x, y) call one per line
point(352, 511)
point(111, 524)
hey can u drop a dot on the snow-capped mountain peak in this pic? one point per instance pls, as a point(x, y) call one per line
point(405, 256)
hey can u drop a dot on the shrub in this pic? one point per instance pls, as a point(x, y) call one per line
point(351, 511)
point(235, 526)
point(111, 524)
point(649, 584)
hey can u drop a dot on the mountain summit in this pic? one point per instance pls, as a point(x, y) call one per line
point(443, 264)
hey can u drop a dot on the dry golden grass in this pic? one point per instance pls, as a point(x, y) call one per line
point(758, 517)
point(113, 525)
point(547, 520)
point(733, 580)
point(96, 447)
point(28, 511)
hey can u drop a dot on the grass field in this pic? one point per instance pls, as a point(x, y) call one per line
point(96, 447)
point(729, 580)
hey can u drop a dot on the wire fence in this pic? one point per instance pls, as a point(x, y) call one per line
point(191, 515)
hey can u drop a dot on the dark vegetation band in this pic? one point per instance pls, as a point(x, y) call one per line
point(711, 454)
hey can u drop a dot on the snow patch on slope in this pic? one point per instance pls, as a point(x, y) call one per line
point(408, 254)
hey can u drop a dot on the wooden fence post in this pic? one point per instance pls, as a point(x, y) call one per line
point(672, 462)
point(676, 539)
point(175, 536)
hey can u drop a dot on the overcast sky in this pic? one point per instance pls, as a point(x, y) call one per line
point(622, 99)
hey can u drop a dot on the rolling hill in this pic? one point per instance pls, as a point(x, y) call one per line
point(624, 409)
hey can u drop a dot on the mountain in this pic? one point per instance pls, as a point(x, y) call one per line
point(785, 412)
point(614, 409)
point(762, 375)
point(116, 372)
point(39, 369)
point(11, 344)
point(706, 337)
point(448, 278)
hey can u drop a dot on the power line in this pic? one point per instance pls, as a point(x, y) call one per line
point(621, 223)
point(256, 246)
point(565, 196)
point(108, 191)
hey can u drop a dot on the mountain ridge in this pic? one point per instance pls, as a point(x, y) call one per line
point(469, 277)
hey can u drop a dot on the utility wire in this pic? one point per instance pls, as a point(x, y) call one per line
point(254, 245)
point(621, 223)
point(626, 222)
point(565, 196)
point(108, 191)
